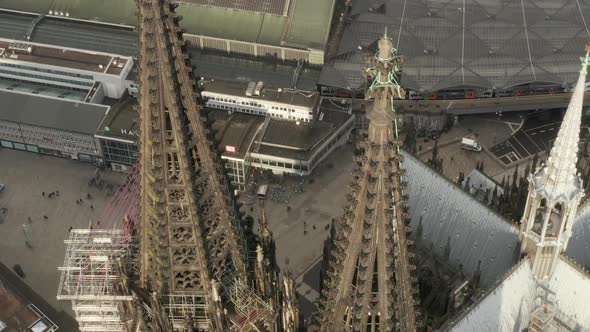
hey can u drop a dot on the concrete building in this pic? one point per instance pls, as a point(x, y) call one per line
point(98, 74)
point(122, 40)
point(246, 141)
point(283, 147)
point(18, 314)
point(49, 125)
point(279, 29)
point(254, 98)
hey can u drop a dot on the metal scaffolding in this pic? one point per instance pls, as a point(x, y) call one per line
point(90, 279)
point(249, 309)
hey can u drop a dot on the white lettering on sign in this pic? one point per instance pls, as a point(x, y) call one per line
point(127, 132)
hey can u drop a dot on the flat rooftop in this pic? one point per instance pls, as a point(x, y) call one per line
point(18, 311)
point(61, 57)
point(98, 37)
point(285, 96)
point(287, 139)
point(301, 24)
point(237, 134)
point(47, 112)
point(121, 121)
point(289, 135)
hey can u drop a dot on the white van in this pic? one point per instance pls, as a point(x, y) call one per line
point(470, 144)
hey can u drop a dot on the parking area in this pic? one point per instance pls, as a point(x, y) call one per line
point(35, 225)
point(536, 135)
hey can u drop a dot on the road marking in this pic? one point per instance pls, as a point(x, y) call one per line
point(513, 149)
point(543, 130)
point(532, 141)
point(525, 149)
point(533, 134)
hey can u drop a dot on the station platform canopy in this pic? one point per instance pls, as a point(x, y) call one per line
point(301, 24)
point(473, 43)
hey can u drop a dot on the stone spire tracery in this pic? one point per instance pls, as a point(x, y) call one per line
point(369, 282)
point(555, 190)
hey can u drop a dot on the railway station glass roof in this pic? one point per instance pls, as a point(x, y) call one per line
point(255, 21)
point(480, 43)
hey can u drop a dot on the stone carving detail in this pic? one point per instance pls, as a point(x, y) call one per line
point(182, 234)
point(184, 255)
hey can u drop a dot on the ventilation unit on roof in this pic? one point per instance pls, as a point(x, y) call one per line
point(19, 47)
point(258, 88)
point(250, 89)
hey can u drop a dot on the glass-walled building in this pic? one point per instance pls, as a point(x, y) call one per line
point(117, 135)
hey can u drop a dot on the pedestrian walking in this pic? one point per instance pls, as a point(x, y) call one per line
point(30, 220)
point(45, 217)
point(91, 207)
point(70, 230)
point(88, 196)
point(57, 192)
point(43, 194)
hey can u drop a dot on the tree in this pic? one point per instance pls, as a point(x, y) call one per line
point(410, 140)
point(494, 196)
point(435, 152)
point(461, 178)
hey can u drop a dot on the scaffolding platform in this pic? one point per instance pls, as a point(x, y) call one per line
point(90, 279)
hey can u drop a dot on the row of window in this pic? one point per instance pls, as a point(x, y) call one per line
point(249, 111)
point(255, 104)
point(49, 71)
point(119, 152)
point(48, 137)
point(270, 162)
point(233, 101)
point(47, 78)
point(29, 132)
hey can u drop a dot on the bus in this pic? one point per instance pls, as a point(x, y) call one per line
point(262, 189)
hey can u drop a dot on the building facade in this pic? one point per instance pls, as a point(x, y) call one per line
point(51, 126)
point(288, 148)
point(65, 68)
point(254, 98)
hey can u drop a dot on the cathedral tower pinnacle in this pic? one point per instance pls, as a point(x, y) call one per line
point(369, 283)
point(555, 190)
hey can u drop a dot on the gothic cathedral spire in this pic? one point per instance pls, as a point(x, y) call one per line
point(369, 282)
point(555, 190)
